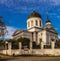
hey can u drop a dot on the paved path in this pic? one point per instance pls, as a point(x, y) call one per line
point(30, 59)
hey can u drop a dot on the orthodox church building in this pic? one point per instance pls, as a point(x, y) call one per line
point(35, 32)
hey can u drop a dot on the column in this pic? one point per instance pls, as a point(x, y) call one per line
point(20, 45)
point(9, 48)
point(30, 46)
point(9, 45)
point(42, 45)
point(6, 45)
point(53, 45)
point(35, 36)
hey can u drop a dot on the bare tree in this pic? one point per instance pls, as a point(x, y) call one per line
point(2, 28)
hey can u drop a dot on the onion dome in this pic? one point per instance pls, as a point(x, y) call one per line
point(34, 14)
point(48, 21)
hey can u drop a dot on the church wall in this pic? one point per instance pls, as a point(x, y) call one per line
point(50, 36)
point(42, 35)
point(23, 34)
point(27, 35)
point(34, 29)
point(46, 37)
point(55, 52)
point(18, 36)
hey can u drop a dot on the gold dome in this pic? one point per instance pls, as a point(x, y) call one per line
point(34, 14)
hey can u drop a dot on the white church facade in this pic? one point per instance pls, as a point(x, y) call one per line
point(36, 32)
point(41, 36)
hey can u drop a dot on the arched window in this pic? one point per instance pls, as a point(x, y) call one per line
point(36, 22)
point(31, 23)
point(28, 24)
point(40, 23)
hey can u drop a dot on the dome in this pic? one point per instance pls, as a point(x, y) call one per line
point(48, 24)
point(34, 14)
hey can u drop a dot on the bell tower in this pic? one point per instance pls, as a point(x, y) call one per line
point(48, 24)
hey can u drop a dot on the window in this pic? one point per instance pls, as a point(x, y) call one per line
point(28, 24)
point(31, 23)
point(36, 22)
point(32, 36)
point(36, 36)
point(40, 40)
point(40, 23)
point(41, 34)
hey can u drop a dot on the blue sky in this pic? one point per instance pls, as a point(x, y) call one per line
point(15, 13)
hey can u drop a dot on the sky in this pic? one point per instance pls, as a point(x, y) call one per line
point(16, 12)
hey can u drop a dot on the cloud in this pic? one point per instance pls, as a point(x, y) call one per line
point(8, 3)
point(16, 3)
point(59, 36)
point(10, 32)
point(28, 5)
point(56, 2)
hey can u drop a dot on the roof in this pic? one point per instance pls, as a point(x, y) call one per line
point(19, 31)
point(51, 29)
point(34, 14)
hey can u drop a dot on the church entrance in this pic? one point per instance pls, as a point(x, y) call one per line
point(25, 44)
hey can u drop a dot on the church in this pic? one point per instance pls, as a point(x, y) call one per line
point(36, 32)
point(35, 40)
